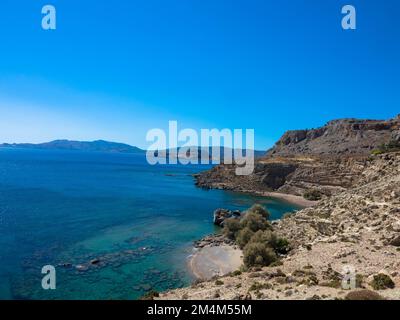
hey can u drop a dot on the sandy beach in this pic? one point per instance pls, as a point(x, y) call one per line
point(297, 200)
point(208, 262)
point(218, 260)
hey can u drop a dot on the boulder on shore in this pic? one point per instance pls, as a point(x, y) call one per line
point(221, 214)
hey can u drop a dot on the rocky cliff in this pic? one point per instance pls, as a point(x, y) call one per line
point(338, 137)
point(329, 159)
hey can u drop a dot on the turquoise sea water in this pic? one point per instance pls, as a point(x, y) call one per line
point(66, 208)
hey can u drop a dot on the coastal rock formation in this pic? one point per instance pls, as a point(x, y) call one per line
point(338, 137)
point(356, 230)
point(329, 159)
point(292, 175)
point(213, 240)
point(221, 214)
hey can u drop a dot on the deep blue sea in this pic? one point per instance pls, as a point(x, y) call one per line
point(66, 208)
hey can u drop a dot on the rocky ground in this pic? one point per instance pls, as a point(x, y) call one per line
point(357, 228)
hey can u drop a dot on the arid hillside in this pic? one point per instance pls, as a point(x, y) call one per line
point(356, 229)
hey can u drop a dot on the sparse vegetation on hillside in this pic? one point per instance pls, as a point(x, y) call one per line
point(312, 195)
point(382, 281)
point(391, 146)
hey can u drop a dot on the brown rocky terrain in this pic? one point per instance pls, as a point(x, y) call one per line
point(337, 137)
point(357, 228)
point(329, 159)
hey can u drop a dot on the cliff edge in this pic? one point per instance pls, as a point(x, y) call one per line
point(329, 159)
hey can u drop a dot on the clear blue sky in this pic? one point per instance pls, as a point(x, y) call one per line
point(115, 69)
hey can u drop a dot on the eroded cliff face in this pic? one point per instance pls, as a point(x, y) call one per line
point(329, 159)
point(338, 137)
point(292, 175)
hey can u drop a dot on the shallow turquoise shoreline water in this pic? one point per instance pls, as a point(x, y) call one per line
point(67, 208)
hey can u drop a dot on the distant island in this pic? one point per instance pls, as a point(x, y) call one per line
point(98, 146)
point(106, 146)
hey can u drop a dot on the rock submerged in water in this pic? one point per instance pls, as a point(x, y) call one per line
point(95, 261)
point(81, 267)
point(65, 265)
point(221, 214)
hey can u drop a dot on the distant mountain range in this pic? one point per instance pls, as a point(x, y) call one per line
point(99, 146)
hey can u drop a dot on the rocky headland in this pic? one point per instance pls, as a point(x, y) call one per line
point(329, 159)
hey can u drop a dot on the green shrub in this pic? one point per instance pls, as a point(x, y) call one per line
point(313, 195)
point(231, 228)
point(363, 295)
point(243, 237)
point(258, 254)
point(359, 281)
point(260, 210)
point(254, 222)
point(391, 146)
point(253, 233)
point(376, 152)
point(382, 281)
point(219, 282)
point(264, 236)
point(282, 245)
point(256, 286)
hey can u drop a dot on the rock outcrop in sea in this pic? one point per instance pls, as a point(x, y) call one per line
point(220, 215)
